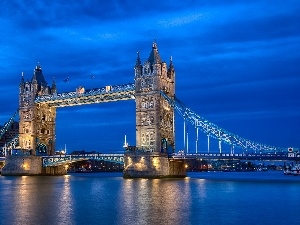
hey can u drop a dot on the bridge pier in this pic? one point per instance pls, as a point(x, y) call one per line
point(29, 165)
point(152, 165)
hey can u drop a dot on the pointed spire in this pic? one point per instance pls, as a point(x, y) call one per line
point(22, 79)
point(53, 88)
point(171, 66)
point(34, 77)
point(38, 66)
point(53, 82)
point(171, 70)
point(138, 60)
point(154, 55)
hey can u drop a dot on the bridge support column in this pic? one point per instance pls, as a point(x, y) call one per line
point(154, 121)
point(152, 165)
point(29, 165)
point(54, 170)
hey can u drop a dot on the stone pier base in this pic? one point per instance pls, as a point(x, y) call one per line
point(29, 165)
point(152, 165)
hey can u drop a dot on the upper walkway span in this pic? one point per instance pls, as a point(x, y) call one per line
point(89, 96)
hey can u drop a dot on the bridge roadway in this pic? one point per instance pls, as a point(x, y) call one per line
point(119, 158)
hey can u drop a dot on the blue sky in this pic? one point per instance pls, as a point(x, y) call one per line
point(237, 64)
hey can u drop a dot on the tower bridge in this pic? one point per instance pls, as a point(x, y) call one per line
point(154, 94)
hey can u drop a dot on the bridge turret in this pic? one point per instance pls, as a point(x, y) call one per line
point(22, 84)
point(34, 82)
point(138, 66)
point(22, 80)
point(53, 88)
point(171, 70)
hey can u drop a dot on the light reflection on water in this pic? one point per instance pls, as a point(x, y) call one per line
point(107, 198)
point(35, 199)
point(148, 201)
point(65, 199)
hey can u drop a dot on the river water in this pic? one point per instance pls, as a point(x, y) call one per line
point(106, 198)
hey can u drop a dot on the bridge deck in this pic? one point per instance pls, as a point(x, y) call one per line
point(257, 156)
point(119, 158)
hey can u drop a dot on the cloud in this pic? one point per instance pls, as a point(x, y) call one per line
point(236, 63)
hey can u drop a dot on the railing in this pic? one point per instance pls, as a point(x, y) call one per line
point(251, 156)
point(7, 124)
point(57, 160)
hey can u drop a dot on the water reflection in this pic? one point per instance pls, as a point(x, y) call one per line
point(154, 201)
point(21, 210)
point(65, 202)
point(37, 199)
point(27, 202)
point(107, 198)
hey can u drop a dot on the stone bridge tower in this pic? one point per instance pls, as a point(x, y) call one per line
point(37, 121)
point(154, 117)
point(155, 137)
